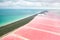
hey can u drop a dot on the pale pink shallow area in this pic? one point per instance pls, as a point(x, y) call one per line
point(40, 28)
point(12, 37)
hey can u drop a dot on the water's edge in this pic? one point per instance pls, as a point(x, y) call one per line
point(7, 28)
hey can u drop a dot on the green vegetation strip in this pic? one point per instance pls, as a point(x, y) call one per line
point(7, 28)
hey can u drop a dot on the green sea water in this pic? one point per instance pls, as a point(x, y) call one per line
point(11, 15)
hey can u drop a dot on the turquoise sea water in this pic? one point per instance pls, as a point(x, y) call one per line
point(10, 15)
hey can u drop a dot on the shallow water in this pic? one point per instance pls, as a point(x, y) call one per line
point(10, 15)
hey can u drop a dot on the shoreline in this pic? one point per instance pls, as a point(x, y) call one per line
point(8, 28)
point(18, 19)
point(13, 21)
